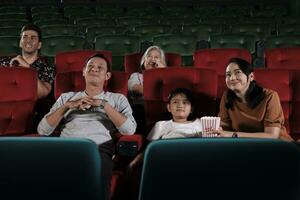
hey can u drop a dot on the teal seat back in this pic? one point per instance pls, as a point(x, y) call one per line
point(221, 168)
point(50, 168)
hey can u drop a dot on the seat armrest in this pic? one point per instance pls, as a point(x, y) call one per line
point(129, 145)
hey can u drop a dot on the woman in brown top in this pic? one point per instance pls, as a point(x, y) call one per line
point(248, 110)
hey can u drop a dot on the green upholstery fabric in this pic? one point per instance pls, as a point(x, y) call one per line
point(288, 29)
point(221, 168)
point(46, 16)
point(97, 30)
point(182, 44)
point(15, 16)
point(43, 22)
point(13, 22)
point(147, 32)
point(9, 45)
point(91, 21)
point(61, 43)
point(50, 168)
point(119, 45)
point(10, 31)
point(282, 41)
point(132, 21)
point(60, 29)
point(259, 30)
point(233, 41)
point(44, 9)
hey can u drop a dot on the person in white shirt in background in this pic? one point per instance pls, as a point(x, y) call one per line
point(154, 57)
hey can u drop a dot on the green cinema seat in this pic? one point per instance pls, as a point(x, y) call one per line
point(221, 168)
point(50, 168)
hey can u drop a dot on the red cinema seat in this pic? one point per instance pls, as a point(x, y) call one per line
point(17, 99)
point(217, 59)
point(158, 83)
point(279, 80)
point(288, 58)
point(75, 60)
point(132, 61)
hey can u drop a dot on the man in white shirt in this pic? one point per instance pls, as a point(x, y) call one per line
point(93, 114)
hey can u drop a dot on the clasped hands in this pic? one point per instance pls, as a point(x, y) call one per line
point(83, 103)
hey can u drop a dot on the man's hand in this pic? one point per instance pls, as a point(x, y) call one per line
point(19, 59)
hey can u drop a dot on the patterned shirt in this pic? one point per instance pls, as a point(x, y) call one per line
point(45, 72)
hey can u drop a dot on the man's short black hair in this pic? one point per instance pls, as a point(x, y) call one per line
point(99, 55)
point(32, 27)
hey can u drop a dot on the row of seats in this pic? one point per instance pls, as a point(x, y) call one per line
point(205, 81)
point(120, 45)
point(113, 9)
point(194, 172)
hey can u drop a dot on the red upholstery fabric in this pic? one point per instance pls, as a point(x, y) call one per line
point(295, 120)
point(74, 81)
point(217, 59)
point(75, 60)
point(158, 83)
point(132, 61)
point(279, 80)
point(287, 58)
point(19, 94)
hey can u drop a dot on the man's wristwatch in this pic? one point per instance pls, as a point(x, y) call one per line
point(102, 103)
point(235, 135)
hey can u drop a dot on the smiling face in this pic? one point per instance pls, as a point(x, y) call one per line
point(236, 80)
point(180, 108)
point(95, 72)
point(151, 59)
point(30, 42)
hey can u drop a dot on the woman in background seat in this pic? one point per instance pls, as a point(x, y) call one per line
point(154, 57)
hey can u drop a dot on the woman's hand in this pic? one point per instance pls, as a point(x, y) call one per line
point(159, 64)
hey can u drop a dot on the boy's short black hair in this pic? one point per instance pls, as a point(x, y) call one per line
point(32, 27)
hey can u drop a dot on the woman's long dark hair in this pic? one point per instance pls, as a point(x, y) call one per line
point(254, 94)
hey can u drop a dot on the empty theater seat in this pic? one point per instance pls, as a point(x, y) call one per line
point(182, 44)
point(221, 168)
point(217, 59)
point(279, 80)
point(119, 45)
point(288, 58)
point(17, 99)
point(76, 60)
point(9, 45)
point(158, 83)
point(282, 41)
point(132, 61)
point(61, 43)
point(50, 168)
point(233, 41)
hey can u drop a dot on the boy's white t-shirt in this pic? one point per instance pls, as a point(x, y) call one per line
point(171, 129)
